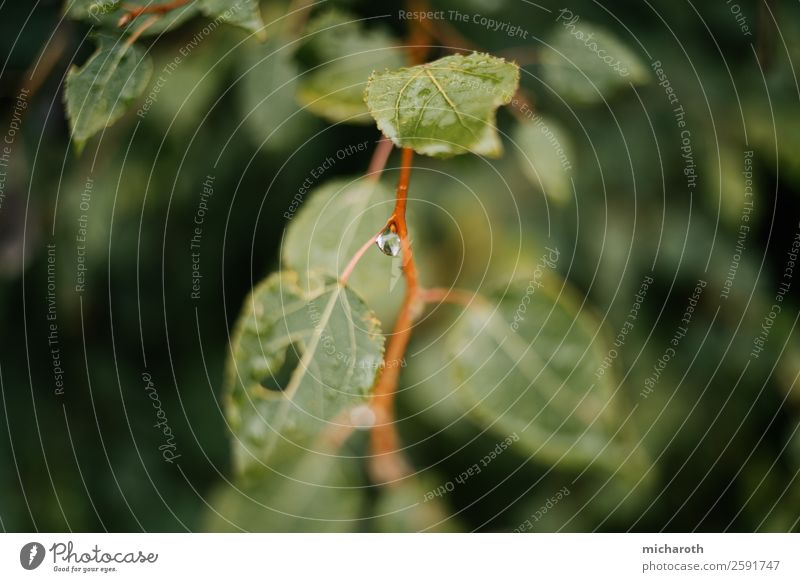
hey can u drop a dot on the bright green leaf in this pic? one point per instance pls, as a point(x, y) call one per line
point(344, 53)
point(445, 107)
point(299, 358)
point(245, 14)
point(529, 362)
point(585, 63)
point(99, 92)
point(331, 225)
point(545, 155)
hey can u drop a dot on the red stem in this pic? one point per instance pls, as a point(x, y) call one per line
point(387, 463)
point(132, 12)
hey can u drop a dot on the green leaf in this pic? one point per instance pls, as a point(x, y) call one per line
point(98, 93)
point(527, 363)
point(331, 225)
point(301, 491)
point(545, 155)
point(266, 94)
point(245, 14)
point(343, 53)
point(106, 14)
point(90, 9)
point(445, 107)
point(299, 358)
point(584, 63)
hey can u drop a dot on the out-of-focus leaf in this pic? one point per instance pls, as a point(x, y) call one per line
point(445, 107)
point(332, 225)
point(99, 92)
point(266, 95)
point(345, 53)
point(245, 14)
point(585, 63)
point(771, 124)
point(403, 507)
point(457, 225)
point(729, 188)
point(545, 155)
point(180, 96)
point(301, 491)
point(300, 356)
point(526, 363)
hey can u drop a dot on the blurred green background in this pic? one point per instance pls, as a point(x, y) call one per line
point(721, 428)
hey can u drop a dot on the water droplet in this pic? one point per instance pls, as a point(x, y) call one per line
point(389, 242)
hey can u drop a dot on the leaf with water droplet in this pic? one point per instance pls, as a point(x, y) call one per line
point(389, 242)
point(333, 223)
point(445, 107)
point(299, 357)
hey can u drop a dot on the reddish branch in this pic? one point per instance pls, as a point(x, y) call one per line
point(387, 463)
point(140, 29)
point(445, 295)
point(132, 12)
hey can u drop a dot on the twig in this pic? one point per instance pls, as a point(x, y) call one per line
point(376, 165)
point(445, 295)
point(132, 12)
point(48, 58)
point(348, 270)
point(138, 32)
point(387, 464)
point(379, 158)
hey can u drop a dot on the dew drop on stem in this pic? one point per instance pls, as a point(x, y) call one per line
point(389, 241)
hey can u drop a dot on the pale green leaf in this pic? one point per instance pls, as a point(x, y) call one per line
point(343, 53)
point(266, 94)
point(332, 223)
point(245, 14)
point(403, 507)
point(445, 107)
point(300, 356)
point(526, 362)
point(584, 63)
point(300, 491)
point(545, 155)
point(98, 93)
